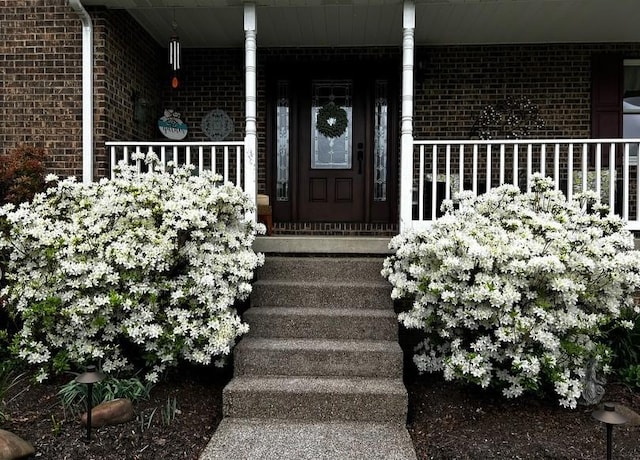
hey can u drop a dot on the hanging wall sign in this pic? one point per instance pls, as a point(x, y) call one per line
point(171, 126)
point(217, 125)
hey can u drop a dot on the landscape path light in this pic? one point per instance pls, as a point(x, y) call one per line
point(609, 417)
point(90, 377)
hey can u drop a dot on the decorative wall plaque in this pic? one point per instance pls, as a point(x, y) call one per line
point(217, 125)
point(171, 126)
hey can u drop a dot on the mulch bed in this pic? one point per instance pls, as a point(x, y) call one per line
point(446, 421)
point(37, 416)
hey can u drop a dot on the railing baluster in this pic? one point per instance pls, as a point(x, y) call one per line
point(138, 161)
point(529, 166)
point(474, 178)
point(175, 156)
point(214, 154)
point(113, 161)
point(598, 167)
point(516, 166)
point(625, 182)
point(502, 164)
point(151, 167)
point(421, 180)
point(434, 181)
point(200, 159)
point(238, 156)
point(187, 159)
point(585, 166)
point(543, 160)
point(447, 173)
point(461, 170)
point(570, 173)
point(163, 158)
point(226, 163)
point(556, 166)
point(612, 177)
point(488, 168)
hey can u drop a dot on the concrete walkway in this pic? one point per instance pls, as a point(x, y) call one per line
point(264, 439)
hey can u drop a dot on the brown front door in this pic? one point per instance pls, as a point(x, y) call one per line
point(331, 154)
point(334, 143)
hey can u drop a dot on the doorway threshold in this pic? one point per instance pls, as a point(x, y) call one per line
point(317, 245)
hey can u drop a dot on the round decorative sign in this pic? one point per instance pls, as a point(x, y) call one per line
point(332, 120)
point(171, 126)
point(217, 125)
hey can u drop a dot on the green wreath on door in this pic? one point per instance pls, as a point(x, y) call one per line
point(332, 120)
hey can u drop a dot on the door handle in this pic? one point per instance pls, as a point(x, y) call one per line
point(360, 156)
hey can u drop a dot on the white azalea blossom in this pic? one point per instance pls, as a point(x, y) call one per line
point(516, 290)
point(141, 270)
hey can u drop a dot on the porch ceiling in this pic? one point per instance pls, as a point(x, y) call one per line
point(330, 23)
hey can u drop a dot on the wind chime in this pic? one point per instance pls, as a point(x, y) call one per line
point(174, 54)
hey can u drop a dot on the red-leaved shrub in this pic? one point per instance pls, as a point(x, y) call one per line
point(21, 174)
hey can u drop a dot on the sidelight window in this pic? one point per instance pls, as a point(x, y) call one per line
point(380, 142)
point(282, 142)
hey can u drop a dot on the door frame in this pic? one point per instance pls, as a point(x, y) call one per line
point(299, 72)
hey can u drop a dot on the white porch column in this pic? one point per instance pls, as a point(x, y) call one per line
point(406, 129)
point(251, 137)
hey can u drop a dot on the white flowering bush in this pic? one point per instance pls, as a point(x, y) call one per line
point(516, 290)
point(143, 269)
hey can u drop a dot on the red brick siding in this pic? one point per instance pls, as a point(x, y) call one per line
point(459, 81)
point(210, 79)
point(41, 80)
point(41, 70)
point(129, 65)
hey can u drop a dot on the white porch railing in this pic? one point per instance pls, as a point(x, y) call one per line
point(224, 158)
point(610, 166)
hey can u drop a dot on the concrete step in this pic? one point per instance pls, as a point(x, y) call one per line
point(316, 357)
point(253, 439)
point(316, 399)
point(322, 323)
point(321, 294)
point(327, 269)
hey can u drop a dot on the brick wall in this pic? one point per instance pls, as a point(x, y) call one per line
point(458, 81)
point(41, 81)
point(129, 69)
point(41, 72)
point(210, 79)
